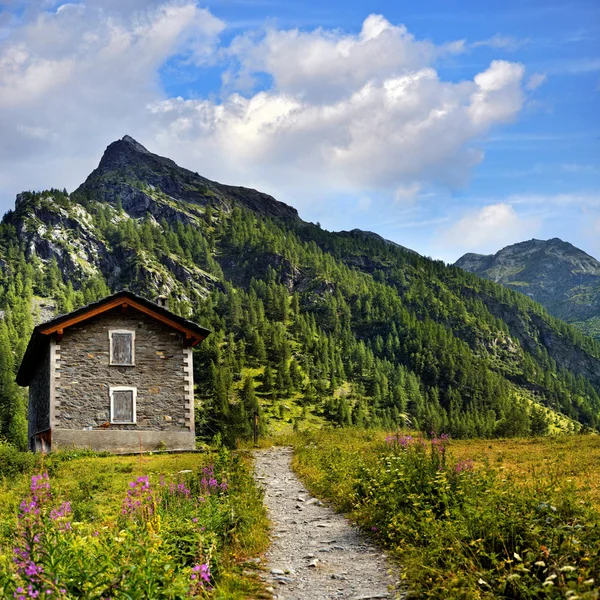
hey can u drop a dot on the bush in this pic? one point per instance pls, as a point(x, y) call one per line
point(14, 462)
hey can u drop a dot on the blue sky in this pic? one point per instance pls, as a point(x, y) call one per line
point(448, 127)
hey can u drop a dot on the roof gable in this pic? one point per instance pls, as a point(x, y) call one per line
point(126, 300)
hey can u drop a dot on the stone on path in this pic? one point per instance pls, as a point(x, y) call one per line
point(352, 569)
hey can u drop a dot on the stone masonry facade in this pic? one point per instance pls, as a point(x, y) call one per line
point(162, 375)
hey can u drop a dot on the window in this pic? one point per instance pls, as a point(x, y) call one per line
point(122, 347)
point(122, 404)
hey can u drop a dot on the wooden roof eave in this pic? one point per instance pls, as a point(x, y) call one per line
point(192, 337)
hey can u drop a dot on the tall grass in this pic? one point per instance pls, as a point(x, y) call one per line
point(458, 531)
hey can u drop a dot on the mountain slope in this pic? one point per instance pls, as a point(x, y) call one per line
point(314, 325)
point(561, 277)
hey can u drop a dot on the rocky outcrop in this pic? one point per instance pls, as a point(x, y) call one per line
point(241, 268)
point(48, 231)
point(55, 230)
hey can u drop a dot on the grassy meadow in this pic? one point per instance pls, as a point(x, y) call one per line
point(129, 527)
point(468, 519)
point(564, 461)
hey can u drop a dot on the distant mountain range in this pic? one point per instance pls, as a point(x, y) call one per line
point(561, 277)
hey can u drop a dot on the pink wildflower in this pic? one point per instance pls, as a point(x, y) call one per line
point(465, 465)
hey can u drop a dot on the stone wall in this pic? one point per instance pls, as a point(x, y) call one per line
point(39, 396)
point(83, 376)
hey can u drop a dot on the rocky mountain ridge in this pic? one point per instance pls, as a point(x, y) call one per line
point(131, 174)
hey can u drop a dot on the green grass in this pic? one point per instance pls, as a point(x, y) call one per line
point(232, 525)
point(518, 519)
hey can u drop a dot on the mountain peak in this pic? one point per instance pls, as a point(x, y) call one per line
point(141, 180)
point(134, 143)
point(562, 277)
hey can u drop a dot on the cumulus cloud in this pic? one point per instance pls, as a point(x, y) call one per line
point(328, 65)
point(389, 133)
point(347, 113)
point(488, 229)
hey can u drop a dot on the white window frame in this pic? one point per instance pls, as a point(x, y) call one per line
point(123, 388)
point(110, 342)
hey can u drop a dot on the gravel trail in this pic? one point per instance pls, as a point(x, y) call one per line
point(316, 554)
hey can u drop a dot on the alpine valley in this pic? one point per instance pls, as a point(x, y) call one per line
point(308, 326)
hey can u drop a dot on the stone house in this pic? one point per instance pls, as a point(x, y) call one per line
point(115, 375)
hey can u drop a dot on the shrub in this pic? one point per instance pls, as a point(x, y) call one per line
point(13, 461)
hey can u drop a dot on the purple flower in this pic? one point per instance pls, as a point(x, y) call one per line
point(182, 490)
point(465, 465)
point(61, 512)
point(399, 440)
point(200, 576)
point(31, 569)
point(140, 498)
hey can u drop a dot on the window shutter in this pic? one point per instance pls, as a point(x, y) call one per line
point(123, 406)
point(122, 348)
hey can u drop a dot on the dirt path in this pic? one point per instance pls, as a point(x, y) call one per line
point(316, 554)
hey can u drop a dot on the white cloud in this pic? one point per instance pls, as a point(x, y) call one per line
point(488, 229)
point(345, 113)
point(394, 133)
point(498, 96)
point(328, 65)
point(535, 81)
point(406, 195)
point(504, 42)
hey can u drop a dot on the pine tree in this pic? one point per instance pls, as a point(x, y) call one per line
point(13, 422)
point(267, 380)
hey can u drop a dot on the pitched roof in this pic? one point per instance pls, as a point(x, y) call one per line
point(42, 332)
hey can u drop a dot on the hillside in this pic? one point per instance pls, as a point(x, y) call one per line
point(561, 277)
point(344, 327)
